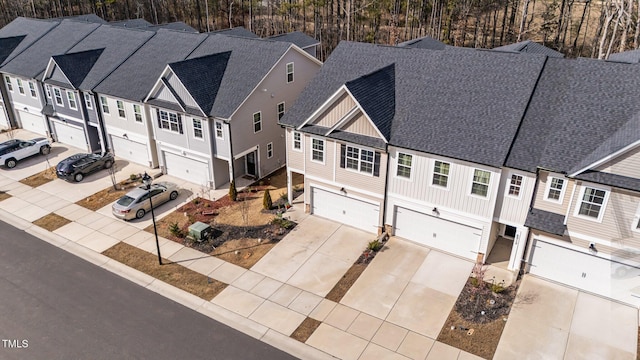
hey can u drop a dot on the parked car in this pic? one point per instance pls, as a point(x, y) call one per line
point(135, 204)
point(15, 150)
point(76, 167)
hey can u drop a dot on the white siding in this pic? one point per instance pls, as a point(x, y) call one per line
point(513, 210)
point(627, 164)
point(295, 158)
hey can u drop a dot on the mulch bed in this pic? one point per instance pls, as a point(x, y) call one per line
point(51, 222)
point(4, 195)
point(305, 329)
point(106, 196)
point(40, 178)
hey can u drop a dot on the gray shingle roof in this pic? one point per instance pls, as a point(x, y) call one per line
point(202, 77)
point(131, 23)
point(631, 56)
point(459, 103)
point(581, 111)
point(530, 47)
point(31, 29)
point(176, 25)
point(236, 31)
point(86, 18)
point(545, 221)
point(425, 42)
point(76, 66)
point(298, 38)
point(33, 61)
point(623, 182)
point(134, 79)
point(250, 61)
point(8, 45)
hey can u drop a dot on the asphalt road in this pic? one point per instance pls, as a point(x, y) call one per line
point(54, 305)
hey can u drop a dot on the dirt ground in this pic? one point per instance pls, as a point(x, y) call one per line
point(171, 273)
point(4, 195)
point(344, 284)
point(482, 342)
point(305, 329)
point(40, 178)
point(106, 196)
point(52, 222)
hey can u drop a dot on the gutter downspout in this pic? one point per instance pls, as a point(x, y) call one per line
point(7, 104)
point(386, 185)
point(232, 170)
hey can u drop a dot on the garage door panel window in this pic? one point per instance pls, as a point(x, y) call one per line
point(441, 174)
point(555, 189)
point(170, 121)
point(592, 203)
point(359, 160)
point(317, 150)
point(404, 166)
point(197, 129)
point(480, 184)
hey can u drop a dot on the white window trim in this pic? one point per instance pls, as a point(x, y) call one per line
point(104, 103)
point(395, 173)
point(324, 151)
point(20, 86)
point(565, 184)
point(603, 208)
point(87, 101)
point(7, 80)
point(358, 171)
point(55, 97)
point(253, 122)
point(135, 118)
point(75, 104)
point(635, 225)
point(178, 121)
point(33, 89)
point(193, 125)
point(48, 90)
point(432, 173)
point(508, 186)
point(269, 150)
point(221, 136)
point(293, 141)
point(470, 191)
point(123, 109)
point(293, 71)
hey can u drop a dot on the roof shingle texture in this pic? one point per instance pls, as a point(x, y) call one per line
point(425, 42)
point(31, 29)
point(298, 38)
point(8, 45)
point(546, 221)
point(76, 66)
point(530, 47)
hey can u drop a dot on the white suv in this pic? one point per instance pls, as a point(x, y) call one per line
point(15, 150)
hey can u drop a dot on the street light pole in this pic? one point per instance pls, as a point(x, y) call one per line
point(146, 179)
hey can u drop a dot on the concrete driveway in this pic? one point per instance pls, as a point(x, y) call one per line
point(551, 321)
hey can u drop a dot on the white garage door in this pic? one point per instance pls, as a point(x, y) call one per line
point(337, 207)
point(70, 135)
point(130, 150)
point(188, 169)
point(4, 124)
point(437, 233)
point(32, 122)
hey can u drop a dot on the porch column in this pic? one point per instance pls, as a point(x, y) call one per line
point(289, 186)
point(519, 245)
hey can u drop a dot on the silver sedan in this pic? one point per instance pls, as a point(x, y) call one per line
point(135, 204)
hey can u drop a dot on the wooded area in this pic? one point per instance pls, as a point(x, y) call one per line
point(591, 28)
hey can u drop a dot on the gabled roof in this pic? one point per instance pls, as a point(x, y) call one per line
point(176, 25)
point(236, 31)
point(425, 42)
point(31, 29)
point(619, 181)
point(131, 23)
point(135, 78)
point(76, 66)
point(530, 47)
point(202, 77)
point(298, 38)
point(8, 45)
point(33, 61)
point(376, 93)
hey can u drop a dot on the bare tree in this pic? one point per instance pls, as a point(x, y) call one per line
point(112, 175)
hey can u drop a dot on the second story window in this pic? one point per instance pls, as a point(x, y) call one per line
point(357, 159)
point(297, 141)
point(48, 87)
point(269, 150)
point(555, 189)
point(480, 183)
point(515, 184)
point(32, 90)
point(280, 110)
point(58, 95)
point(121, 112)
point(104, 104)
point(72, 100)
point(9, 84)
point(197, 128)
point(592, 203)
point(257, 122)
point(290, 72)
point(219, 133)
point(404, 165)
point(317, 150)
point(20, 87)
point(87, 101)
point(137, 112)
point(170, 121)
point(440, 173)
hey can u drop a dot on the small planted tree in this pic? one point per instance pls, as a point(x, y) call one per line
point(266, 200)
point(233, 193)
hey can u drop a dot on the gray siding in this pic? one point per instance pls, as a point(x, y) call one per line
point(66, 110)
point(92, 114)
point(180, 90)
point(220, 172)
point(165, 94)
point(220, 145)
point(510, 209)
point(541, 194)
point(170, 137)
point(336, 111)
point(58, 75)
point(24, 99)
point(627, 164)
point(127, 124)
point(200, 145)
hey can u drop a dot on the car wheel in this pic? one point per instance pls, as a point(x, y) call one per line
point(45, 150)
point(108, 164)
point(11, 163)
point(173, 195)
point(140, 214)
point(78, 177)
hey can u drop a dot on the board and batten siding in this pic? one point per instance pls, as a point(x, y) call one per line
point(513, 210)
point(336, 111)
point(541, 194)
point(360, 125)
point(627, 164)
point(617, 225)
point(295, 158)
point(457, 196)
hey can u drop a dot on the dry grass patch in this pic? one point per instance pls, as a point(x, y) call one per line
point(483, 340)
point(51, 222)
point(344, 284)
point(4, 195)
point(40, 178)
point(171, 273)
point(305, 329)
point(106, 196)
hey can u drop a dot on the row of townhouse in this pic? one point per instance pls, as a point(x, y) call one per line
point(468, 151)
point(202, 107)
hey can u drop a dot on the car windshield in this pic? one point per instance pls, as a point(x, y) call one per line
point(126, 200)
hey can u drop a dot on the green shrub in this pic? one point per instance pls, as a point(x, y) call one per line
point(196, 201)
point(175, 230)
point(266, 200)
point(497, 288)
point(133, 177)
point(283, 223)
point(374, 245)
point(233, 193)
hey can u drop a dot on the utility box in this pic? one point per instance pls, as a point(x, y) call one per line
point(200, 231)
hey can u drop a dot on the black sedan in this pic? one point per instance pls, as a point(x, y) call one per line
point(76, 167)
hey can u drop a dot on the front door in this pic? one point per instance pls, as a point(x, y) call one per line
point(251, 164)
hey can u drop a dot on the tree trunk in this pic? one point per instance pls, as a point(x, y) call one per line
point(525, 8)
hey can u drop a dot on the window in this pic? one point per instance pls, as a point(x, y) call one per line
point(280, 110)
point(289, 72)
point(121, 111)
point(480, 184)
point(104, 104)
point(297, 141)
point(49, 91)
point(9, 85)
point(137, 112)
point(404, 165)
point(257, 122)
point(219, 133)
point(58, 96)
point(357, 159)
point(170, 121)
point(269, 150)
point(592, 202)
point(32, 90)
point(638, 225)
point(72, 100)
point(87, 101)
point(440, 173)
point(317, 150)
point(556, 187)
point(514, 185)
point(197, 128)
point(20, 87)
